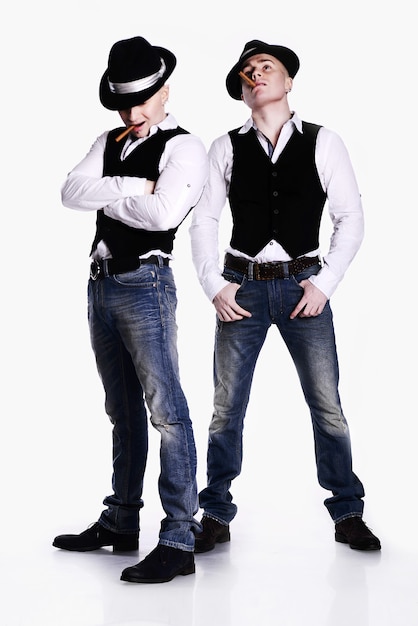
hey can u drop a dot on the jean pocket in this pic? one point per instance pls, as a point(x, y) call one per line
point(144, 276)
point(309, 271)
point(234, 277)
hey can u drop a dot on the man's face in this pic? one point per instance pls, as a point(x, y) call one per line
point(145, 115)
point(271, 78)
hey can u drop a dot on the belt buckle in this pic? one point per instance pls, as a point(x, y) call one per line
point(95, 270)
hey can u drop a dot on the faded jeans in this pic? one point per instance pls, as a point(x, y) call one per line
point(311, 344)
point(132, 320)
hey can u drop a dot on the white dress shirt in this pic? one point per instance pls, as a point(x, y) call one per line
point(183, 171)
point(344, 205)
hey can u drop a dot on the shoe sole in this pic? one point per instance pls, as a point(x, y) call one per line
point(116, 547)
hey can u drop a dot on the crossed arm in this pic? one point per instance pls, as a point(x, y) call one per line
point(140, 203)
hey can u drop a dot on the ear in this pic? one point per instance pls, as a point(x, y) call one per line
point(165, 92)
point(288, 84)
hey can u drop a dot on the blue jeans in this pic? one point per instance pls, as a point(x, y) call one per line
point(132, 320)
point(311, 344)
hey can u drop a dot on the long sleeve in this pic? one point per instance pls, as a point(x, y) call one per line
point(86, 189)
point(345, 209)
point(206, 217)
point(183, 172)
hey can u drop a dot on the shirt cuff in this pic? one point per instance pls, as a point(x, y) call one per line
point(325, 281)
point(213, 286)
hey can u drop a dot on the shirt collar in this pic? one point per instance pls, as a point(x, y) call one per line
point(168, 122)
point(294, 120)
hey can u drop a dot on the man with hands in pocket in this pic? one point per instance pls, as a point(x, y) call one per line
point(277, 173)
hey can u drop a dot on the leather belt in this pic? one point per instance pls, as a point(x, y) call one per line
point(109, 267)
point(270, 271)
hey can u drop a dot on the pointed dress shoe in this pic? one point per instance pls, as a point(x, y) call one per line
point(355, 532)
point(95, 537)
point(213, 532)
point(160, 566)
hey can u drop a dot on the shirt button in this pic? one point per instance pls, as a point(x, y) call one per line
point(274, 174)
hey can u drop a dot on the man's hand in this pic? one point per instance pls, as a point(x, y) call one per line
point(312, 302)
point(225, 304)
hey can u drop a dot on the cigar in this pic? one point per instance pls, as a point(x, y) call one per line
point(124, 133)
point(249, 82)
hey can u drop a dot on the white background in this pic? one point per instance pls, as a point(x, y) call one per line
point(358, 77)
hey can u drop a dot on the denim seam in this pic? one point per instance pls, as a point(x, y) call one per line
point(217, 519)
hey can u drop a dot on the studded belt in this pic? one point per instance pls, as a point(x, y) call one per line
point(270, 271)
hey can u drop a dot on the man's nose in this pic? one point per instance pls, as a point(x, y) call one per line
point(256, 74)
point(134, 113)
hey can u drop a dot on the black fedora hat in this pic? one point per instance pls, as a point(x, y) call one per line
point(283, 54)
point(136, 71)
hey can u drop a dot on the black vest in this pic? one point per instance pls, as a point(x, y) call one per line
point(123, 240)
point(282, 201)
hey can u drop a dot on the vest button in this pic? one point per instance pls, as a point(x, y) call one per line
point(275, 193)
point(274, 174)
point(276, 211)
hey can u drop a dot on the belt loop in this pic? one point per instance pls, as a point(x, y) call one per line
point(105, 267)
point(250, 271)
point(286, 272)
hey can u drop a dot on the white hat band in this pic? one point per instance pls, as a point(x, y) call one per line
point(135, 86)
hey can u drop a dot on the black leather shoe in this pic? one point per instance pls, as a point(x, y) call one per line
point(97, 537)
point(355, 532)
point(160, 566)
point(213, 533)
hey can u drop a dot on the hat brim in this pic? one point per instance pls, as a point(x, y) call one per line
point(286, 56)
point(121, 102)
